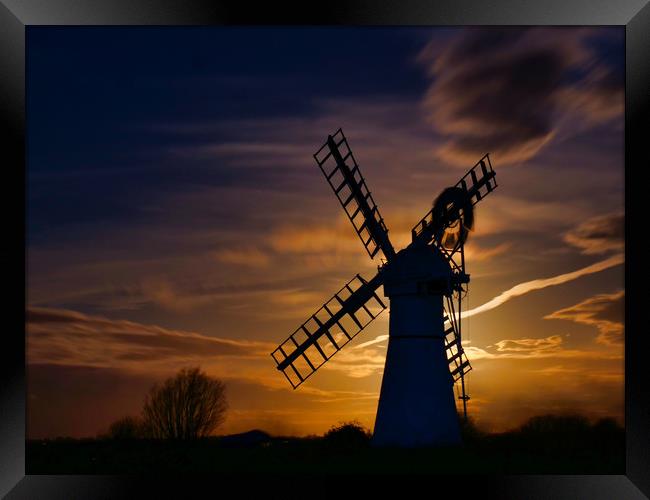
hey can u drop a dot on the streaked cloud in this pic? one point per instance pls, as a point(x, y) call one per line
point(376, 340)
point(479, 253)
point(336, 236)
point(603, 311)
point(529, 345)
point(600, 234)
point(250, 257)
point(72, 338)
point(358, 363)
point(539, 284)
point(507, 90)
point(522, 349)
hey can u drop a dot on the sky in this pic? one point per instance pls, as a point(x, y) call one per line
point(176, 216)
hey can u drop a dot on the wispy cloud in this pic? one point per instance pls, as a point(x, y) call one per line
point(531, 349)
point(357, 363)
point(506, 90)
point(529, 345)
point(72, 338)
point(600, 234)
point(335, 236)
point(250, 257)
point(476, 252)
point(603, 311)
point(539, 284)
point(376, 340)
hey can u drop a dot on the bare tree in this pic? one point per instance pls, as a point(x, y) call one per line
point(187, 406)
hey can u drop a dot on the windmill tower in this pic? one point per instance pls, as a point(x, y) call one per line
point(425, 283)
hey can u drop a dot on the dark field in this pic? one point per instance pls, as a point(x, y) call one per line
point(551, 446)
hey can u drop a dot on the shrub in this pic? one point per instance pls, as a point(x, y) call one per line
point(556, 424)
point(348, 435)
point(127, 428)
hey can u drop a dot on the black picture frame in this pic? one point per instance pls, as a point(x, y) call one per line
point(16, 15)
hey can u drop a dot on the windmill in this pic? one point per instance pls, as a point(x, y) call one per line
point(424, 282)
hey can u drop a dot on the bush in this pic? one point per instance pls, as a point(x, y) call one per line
point(607, 426)
point(568, 434)
point(556, 424)
point(127, 428)
point(348, 435)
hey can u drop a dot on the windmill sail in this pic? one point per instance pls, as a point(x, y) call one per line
point(477, 184)
point(458, 362)
point(337, 322)
point(341, 170)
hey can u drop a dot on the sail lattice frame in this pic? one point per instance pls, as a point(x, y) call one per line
point(341, 170)
point(459, 365)
point(330, 328)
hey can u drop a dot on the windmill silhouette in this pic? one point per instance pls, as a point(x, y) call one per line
point(425, 283)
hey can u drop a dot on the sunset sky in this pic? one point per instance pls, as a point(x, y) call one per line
point(176, 216)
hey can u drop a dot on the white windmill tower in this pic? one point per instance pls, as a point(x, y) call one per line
point(425, 283)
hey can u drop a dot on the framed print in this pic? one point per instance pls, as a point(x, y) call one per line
point(276, 248)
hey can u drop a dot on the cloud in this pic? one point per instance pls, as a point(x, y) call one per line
point(376, 340)
point(598, 97)
point(335, 236)
point(357, 363)
point(600, 234)
point(505, 90)
point(529, 345)
point(604, 311)
point(533, 349)
point(250, 257)
point(72, 338)
point(538, 284)
point(479, 253)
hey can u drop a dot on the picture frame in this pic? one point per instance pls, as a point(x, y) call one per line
point(17, 15)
